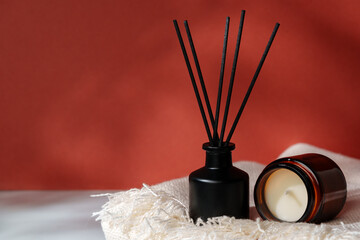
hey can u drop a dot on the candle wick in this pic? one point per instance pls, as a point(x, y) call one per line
point(290, 193)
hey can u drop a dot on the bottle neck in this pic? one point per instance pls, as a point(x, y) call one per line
point(215, 159)
point(218, 157)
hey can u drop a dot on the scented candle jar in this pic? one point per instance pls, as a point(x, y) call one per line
point(304, 188)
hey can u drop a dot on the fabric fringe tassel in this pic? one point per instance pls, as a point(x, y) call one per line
point(144, 214)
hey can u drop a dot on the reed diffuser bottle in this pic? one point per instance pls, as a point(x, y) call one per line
point(219, 188)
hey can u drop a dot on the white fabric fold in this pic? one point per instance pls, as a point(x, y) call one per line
point(161, 211)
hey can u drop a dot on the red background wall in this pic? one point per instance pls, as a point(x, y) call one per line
point(95, 94)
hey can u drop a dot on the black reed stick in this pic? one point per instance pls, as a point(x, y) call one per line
point(192, 80)
point(202, 83)
point(226, 112)
point(252, 83)
point(221, 79)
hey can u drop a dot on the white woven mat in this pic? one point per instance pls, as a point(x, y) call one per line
point(160, 212)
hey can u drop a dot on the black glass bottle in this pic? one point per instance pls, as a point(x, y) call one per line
point(218, 188)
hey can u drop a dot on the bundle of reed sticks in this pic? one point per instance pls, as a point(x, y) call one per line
point(214, 138)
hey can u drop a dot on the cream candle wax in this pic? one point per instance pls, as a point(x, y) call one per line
point(286, 195)
point(304, 188)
